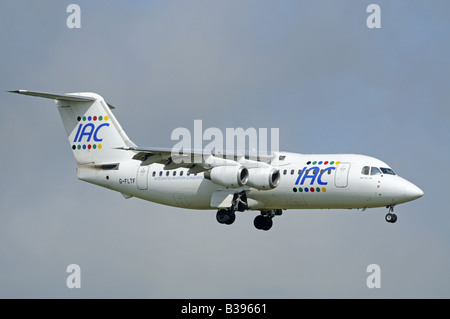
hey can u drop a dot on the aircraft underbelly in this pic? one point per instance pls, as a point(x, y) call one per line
point(184, 194)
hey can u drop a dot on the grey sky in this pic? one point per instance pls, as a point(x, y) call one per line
point(311, 68)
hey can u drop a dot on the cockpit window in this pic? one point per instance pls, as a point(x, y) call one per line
point(387, 171)
point(375, 171)
point(365, 170)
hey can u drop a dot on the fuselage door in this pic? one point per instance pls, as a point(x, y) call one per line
point(142, 175)
point(341, 177)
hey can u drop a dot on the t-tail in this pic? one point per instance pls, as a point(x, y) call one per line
point(94, 133)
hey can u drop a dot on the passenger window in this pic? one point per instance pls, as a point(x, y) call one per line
point(329, 172)
point(375, 171)
point(154, 173)
point(321, 171)
point(292, 172)
point(299, 172)
point(174, 173)
point(284, 172)
point(181, 173)
point(167, 173)
point(160, 173)
point(365, 170)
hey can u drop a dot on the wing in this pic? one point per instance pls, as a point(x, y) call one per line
point(196, 160)
point(229, 170)
point(165, 156)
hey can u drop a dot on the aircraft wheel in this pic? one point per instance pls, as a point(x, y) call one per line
point(231, 217)
point(225, 216)
point(394, 218)
point(262, 222)
point(391, 218)
point(258, 221)
point(222, 216)
point(267, 223)
point(388, 218)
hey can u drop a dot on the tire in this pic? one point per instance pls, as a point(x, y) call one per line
point(389, 218)
point(267, 224)
point(222, 216)
point(258, 222)
point(394, 218)
point(231, 217)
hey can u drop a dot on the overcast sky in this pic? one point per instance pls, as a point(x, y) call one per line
point(313, 69)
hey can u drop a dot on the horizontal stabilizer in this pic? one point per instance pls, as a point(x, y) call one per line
point(60, 97)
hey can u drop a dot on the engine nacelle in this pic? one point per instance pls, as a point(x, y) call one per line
point(263, 178)
point(228, 176)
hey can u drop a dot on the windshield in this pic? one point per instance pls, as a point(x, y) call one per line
point(374, 171)
point(387, 171)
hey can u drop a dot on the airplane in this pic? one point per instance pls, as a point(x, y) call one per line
point(106, 157)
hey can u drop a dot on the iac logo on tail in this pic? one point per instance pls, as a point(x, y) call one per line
point(89, 131)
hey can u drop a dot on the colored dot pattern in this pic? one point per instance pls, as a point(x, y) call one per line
point(310, 190)
point(322, 163)
point(87, 146)
point(89, 119)
point(92, 118)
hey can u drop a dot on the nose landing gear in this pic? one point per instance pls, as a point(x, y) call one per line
point(390, 216)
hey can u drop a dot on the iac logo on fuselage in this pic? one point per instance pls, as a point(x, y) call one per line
point(89, 132)
point(315, 173)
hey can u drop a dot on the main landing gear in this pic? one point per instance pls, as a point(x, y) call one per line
point(390, 216)
point(228, 216)
point(264, 221)
point(239, 203)
point(261, 222)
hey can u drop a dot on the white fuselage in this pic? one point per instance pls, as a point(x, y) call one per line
point(197, 179)
point(306, 181)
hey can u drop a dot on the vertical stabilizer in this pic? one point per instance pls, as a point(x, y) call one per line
point(93, 131)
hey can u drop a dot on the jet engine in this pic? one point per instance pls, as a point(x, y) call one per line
point(263, 178)
point(228, 176)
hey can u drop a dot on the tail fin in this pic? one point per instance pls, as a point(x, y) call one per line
point(93, 131)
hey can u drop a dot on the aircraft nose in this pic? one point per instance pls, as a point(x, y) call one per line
point(411, 191)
